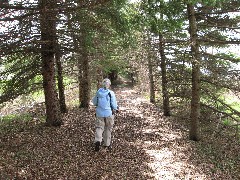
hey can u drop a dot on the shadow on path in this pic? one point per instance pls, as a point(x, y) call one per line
point(145, 146)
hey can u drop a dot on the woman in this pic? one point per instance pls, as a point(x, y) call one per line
point(105, 101)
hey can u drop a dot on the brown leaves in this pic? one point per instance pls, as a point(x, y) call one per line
point(145, 146)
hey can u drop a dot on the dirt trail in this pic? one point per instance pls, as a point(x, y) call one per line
point(163, 142)
point(146, 145)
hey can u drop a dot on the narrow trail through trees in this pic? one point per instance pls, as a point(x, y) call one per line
point(146, 145)
point(162, 141)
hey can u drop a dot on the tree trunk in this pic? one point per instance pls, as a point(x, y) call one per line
point(48, 48)
point(80, 79)
point(166, 108)
point(150, 71)
point(194, 133)
point(151, 81)
point(63, 106)
point(99, 77)
point(84, 80)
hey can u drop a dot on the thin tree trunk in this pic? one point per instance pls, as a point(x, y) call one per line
point(166, 108)
point(82, 63)
point(84, 80)
point(150, 71)
point(150, 74)
point(80, 79)
point(63, 106)
point(194, 133)
point(48, 38)
point(99, 77)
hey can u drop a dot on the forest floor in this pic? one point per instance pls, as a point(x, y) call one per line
point(146, 145)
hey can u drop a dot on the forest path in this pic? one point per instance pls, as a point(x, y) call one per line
point(144, 132)
point(146, 145)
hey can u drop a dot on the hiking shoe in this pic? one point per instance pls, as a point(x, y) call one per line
point(109, 148)
point(97, 146)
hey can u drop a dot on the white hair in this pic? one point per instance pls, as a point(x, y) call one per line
point(106, 83)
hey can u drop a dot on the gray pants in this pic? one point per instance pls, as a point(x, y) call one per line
point(104, 129)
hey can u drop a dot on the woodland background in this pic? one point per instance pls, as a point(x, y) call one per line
point(183, 56)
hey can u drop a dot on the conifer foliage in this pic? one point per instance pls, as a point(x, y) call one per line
point(190, 44)
point(183, 56)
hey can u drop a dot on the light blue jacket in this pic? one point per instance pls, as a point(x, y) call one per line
point(102, 101)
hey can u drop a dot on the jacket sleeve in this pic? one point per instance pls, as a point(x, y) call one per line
point(113, 100)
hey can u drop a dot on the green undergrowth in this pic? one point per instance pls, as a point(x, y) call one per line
point(15, 123)
point(11, 117)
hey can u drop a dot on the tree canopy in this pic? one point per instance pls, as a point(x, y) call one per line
point(186, 51)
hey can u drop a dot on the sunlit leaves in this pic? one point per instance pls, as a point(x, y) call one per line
point(145, 146)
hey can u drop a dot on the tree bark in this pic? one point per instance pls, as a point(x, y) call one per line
point(48, 48)
point(150, 74)
point(84, 78)
point(166, 108)
point(60, 84)
point(194, 133)
point(150, 71)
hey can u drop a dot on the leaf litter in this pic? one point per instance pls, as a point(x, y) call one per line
point(146, 145)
